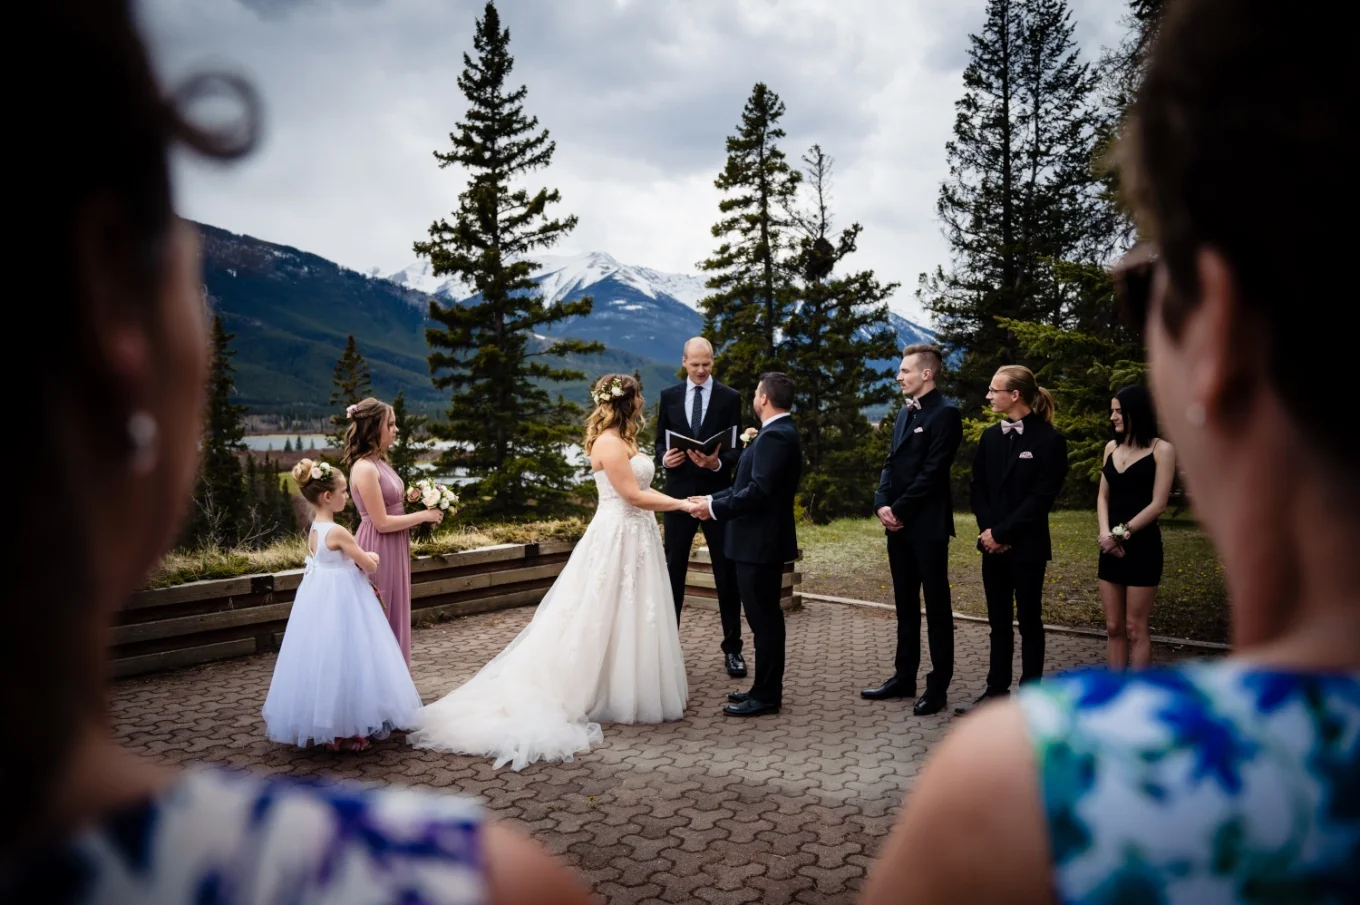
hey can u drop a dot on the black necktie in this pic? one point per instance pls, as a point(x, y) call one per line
point(696, 414)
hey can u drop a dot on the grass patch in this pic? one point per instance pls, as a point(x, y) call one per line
point(848, 558)
point(183, 566)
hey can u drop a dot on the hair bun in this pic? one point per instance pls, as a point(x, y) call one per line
point(302, 471)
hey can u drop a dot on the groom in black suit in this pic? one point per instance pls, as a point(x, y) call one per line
point(913, 503)
point(761, 536)
point(700, 408)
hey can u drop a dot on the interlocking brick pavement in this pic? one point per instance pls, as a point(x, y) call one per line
point(784, 808)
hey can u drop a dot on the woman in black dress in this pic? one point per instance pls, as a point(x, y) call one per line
point(1135, 483)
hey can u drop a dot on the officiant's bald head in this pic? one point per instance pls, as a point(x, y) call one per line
point(697, 357)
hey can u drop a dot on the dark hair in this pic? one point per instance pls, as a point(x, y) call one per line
point(778, 388)
point(931, 352)
point(1241, 103)
point(104, 130)
point(1140, 418)
point(363, 437)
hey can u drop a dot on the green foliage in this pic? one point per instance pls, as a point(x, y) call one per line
point(350, 383)
point(752, 292)
point(481, 351)
point(410, 431)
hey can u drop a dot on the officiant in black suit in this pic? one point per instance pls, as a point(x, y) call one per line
point(1018, 472)
point(700, 408)
point(761, 536)
point(913, 503)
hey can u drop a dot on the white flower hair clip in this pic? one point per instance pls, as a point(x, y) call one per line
point(349, 411)
point(603, 394)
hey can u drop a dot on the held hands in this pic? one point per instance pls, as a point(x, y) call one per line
point(697, 506)
point(890, 521)
point(673, 458)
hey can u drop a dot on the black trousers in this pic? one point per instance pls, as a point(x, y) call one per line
point(1004, 580)
point(759, 584)
point(917, 566)
point(680, 530)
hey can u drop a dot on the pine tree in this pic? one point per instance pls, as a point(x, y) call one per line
point(752, 290)
point(220, 494)
point(288, 445)
point(835, 330)
point(404, 453)
point(351, 383)
point(484, 351)
point(1021, 193)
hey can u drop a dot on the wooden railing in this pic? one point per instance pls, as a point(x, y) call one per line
point(204, 621)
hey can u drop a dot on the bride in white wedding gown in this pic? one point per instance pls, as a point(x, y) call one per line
point(603, 645)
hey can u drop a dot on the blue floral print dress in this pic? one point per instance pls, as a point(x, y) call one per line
point(1205, 783)
point(222, 838)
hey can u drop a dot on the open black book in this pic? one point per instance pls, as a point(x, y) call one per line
point(727, 439)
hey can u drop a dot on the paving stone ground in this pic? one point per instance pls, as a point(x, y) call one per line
point(784, 808)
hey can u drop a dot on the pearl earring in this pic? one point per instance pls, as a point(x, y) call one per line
point(142, 432)
point(1194, 414)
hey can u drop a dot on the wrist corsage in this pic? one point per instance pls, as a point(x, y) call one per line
point(1121, 532)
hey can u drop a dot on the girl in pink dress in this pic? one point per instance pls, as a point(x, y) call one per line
point(384, 526)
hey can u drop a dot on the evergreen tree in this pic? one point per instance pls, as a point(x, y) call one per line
point(484, 351)
point(836, 329)
point(752, 290)
point(288, 445)
point(298, 445)
point(1021, 192)
point(404, 453)
point(220, 494)
point(351, 383)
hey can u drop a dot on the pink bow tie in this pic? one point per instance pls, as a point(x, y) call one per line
point(1017, 426)
point(913, 405)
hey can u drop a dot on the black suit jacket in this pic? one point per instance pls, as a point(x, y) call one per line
point(723, 411)
point(915, 479)
point(1016, 478)
point(759, 506)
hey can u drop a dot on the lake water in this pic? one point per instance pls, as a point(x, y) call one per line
point(275, 443)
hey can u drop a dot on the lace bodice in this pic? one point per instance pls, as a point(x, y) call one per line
point(644, 469)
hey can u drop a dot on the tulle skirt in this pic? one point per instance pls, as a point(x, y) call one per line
point(340, 672)
point(603, 646)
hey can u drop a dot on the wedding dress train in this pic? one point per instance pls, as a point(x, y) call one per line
point(603, 646)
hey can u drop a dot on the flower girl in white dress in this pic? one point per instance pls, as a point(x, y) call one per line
point(340, 673)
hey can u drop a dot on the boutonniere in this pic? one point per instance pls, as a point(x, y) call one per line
point(748, 435)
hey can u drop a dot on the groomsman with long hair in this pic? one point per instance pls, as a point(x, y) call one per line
point(1018, 471)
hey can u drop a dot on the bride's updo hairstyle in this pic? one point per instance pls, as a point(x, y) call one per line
point(616, 405)
point(363, 437)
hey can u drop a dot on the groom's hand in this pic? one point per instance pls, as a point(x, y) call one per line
point(700, 510)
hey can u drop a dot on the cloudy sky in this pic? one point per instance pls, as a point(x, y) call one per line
point(638, 94)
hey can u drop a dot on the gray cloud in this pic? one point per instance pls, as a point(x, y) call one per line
point(638, 94)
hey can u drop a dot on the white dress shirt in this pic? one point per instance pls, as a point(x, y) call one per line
point(704, 401)
point(763, 425)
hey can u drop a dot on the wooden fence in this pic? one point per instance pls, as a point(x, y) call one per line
point(201, 621)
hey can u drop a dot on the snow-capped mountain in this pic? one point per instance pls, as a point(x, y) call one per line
point(641, 310)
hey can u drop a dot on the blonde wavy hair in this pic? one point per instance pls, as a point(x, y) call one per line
point(616, 405)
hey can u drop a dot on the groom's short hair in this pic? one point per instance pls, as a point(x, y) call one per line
point(934, 358)
point(778, 388)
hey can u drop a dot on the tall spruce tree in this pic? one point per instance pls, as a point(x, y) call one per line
point(484, 351)
point(748, 274)
point(410, 428)
point(220, 494)
point(1021, 192)
point(350, 383)
point(835, 330)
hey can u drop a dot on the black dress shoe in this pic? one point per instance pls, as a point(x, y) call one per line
point(893, 688)
point(738, 697)
point(929, 703)
point(736, 666)
point(750, 707)
point(982, 698)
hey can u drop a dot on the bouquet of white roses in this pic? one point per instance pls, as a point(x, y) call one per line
point(433, 495)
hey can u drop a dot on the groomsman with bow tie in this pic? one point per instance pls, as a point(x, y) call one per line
point(1018, 471)
point(700, 407)
point(913, 503)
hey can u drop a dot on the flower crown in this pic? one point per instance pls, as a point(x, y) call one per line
point(307, 471)
point(350, 410)
point(603, 394)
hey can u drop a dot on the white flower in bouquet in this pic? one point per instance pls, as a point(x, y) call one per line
point(430, 498)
